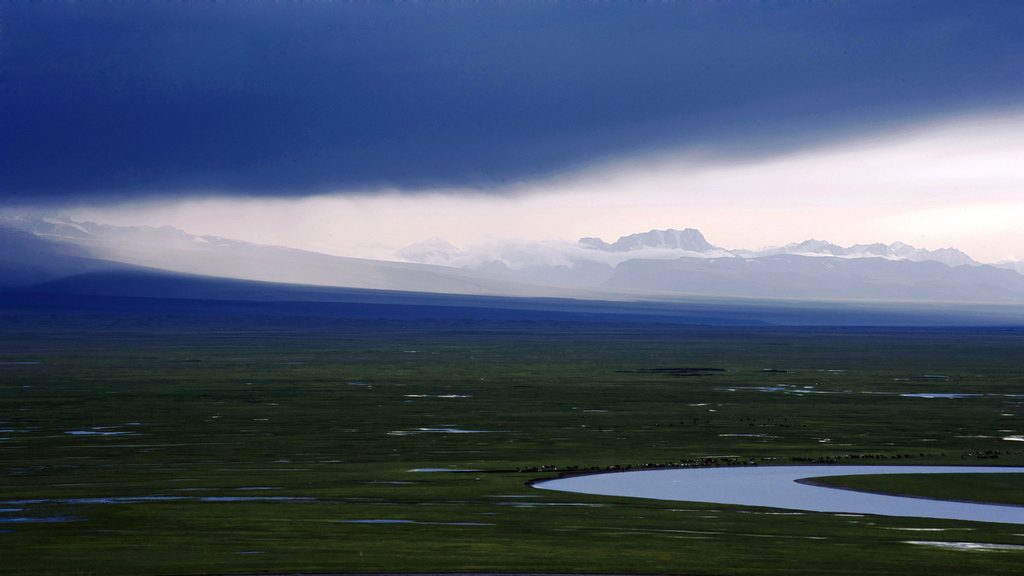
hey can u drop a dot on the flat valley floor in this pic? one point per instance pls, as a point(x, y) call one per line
point(133, 444)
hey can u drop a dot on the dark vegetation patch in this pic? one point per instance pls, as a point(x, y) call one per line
point(1004, 488)
point(679, 371)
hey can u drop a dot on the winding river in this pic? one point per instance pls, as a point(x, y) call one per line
point(777, 487)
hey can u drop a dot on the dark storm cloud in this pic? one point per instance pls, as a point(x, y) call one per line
point(137, 99)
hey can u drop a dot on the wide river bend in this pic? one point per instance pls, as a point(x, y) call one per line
point(777, 487)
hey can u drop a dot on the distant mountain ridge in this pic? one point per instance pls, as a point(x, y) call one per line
point(35, 249)
point(895, 251)
point(27, 259)
point(683, 261)
point(658, 265)
point(692, 240)
point(688, 239)
point(832, 277)
point(432, 250)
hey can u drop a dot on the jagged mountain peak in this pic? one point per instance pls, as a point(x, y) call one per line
point(816, 247)
point(894, 251)
point(689, 239)
point(430, 250)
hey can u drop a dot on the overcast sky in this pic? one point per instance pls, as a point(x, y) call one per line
point(357, 128)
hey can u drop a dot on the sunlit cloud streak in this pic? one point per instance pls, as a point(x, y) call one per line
point(955, 184)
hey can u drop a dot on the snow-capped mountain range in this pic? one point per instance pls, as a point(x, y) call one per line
point(683, 261)
point(35, 249)
point(670, 243)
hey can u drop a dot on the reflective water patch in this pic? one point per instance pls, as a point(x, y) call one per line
point(391, 521)
point(445, 470)
point(43, 520)
point(436, 431)
point(966, 546)
point(938, 395)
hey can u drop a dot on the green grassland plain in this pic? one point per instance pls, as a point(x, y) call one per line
point(149, 445)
